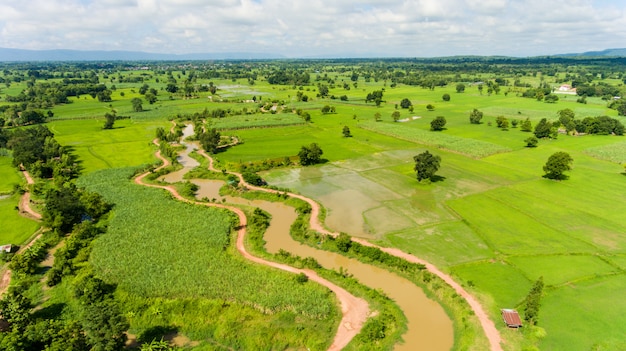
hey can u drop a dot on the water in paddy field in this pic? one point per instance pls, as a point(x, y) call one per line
point(429, 328)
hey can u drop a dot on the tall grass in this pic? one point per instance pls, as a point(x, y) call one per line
point(157, 247)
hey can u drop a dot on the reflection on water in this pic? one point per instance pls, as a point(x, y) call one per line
point(429, 328)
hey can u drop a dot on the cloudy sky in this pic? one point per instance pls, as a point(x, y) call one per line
point(309, 28)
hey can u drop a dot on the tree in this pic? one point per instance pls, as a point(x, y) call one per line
point(526, 126)
point(151, 98)
point(551, 98)
point(31, 117)
point(430, 107)
point(460, 88)
point(406, 103)
point(502, 122)
point(346, 132)
point(15, 308)
point(310, 155)
point(395, 116)
point(438, 123)
point(565, 116)
point(210, 140)
point(446, 97)
point(531, 141)
point(426, 165)
point(171, 88)
point(137, 104)
point(328, 109)
point(475, 116)
point(377, 117)
point(533, 302)
point(543, 129)
point(109, 120)
point(558, 163)
point(343, 242)
point(104, 96)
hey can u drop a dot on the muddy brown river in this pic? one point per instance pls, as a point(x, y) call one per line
point(428, 328)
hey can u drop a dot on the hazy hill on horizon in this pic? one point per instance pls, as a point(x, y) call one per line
point(23, 55)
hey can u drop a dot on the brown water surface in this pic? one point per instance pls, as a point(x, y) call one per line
point(183, 158)
point(429, 328)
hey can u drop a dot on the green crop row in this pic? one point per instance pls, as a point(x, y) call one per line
point(470, 147)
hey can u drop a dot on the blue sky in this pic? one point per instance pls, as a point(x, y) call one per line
point(309, 28)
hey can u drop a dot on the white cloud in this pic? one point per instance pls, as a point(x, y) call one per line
point(317, 27)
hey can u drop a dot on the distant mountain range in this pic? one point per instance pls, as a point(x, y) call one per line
point(21, 55)
point(604, 53)
point(11, 55)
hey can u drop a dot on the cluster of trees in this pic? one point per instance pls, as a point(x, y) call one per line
point(533, 302)
point(603, 125)
point(21, 115)
point(289, 77)
point(95, 321)
point(328, 109)
point(375, 96)
point(210, 140)
point(38, 152)
point(68, 205)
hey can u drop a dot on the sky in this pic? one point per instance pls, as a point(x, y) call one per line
point(317, 28)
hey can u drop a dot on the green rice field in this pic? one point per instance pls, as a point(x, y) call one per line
point(490, 218)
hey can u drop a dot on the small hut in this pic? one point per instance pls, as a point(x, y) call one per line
point(511, 318)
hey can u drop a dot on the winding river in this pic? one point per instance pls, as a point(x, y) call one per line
point(429, 328)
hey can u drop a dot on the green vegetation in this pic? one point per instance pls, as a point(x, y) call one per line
point(495, 223)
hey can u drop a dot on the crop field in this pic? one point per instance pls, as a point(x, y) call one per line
point(15, 228)
point(160, 248)
point(255, 121)
point(128, 144)
point(489, 218)
point(9, 175)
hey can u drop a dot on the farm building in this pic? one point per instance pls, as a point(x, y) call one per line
point(511, 318)
point(6, 248)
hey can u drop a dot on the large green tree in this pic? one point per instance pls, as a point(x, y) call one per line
point(475, 116)
point(543, 129)
point(438, 123)
point(558, 163)
point(210, 140)
point(137, 104)
point(426, 165)
point(109, 120)
point(310, 155)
